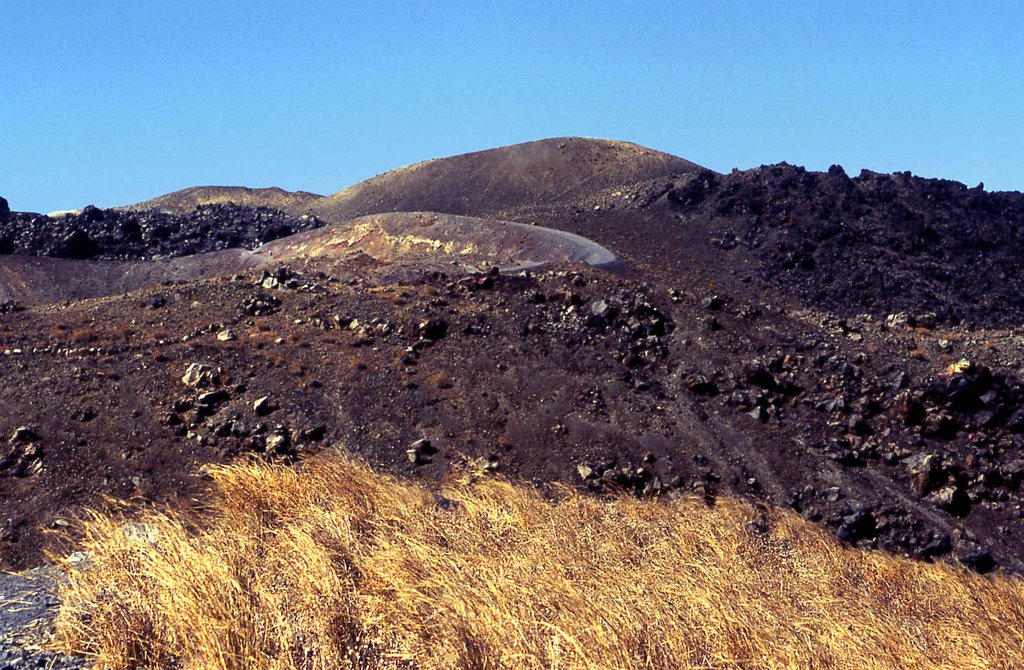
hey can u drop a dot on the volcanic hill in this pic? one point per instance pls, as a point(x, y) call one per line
point(847, 347)
point(187, 199)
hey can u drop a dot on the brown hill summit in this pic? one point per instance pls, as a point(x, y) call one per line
point(187, 199)
point(512, 179)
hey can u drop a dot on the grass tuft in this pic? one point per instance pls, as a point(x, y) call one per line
point(330, 565)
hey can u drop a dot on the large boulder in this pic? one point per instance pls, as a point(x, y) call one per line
point(79, 245)
point(5, 209)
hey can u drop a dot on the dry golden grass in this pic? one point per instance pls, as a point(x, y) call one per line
point(334, 566)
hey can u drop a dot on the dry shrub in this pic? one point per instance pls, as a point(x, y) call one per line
point(333, 566)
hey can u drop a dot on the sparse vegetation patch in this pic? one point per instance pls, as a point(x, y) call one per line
point(330, 565)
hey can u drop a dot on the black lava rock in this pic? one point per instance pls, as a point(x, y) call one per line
point(111, 234)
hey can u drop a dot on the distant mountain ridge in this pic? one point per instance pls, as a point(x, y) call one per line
point(557, 170)
point(187, 199)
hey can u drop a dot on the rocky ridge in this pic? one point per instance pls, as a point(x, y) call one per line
point(878, 243)
point(116, 234)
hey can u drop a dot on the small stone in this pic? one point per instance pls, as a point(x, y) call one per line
point(226, 335)
point(279, 443)
point(897, 320)
point(23, 435)
point(433, 329)
point(78, 560)
point(952, 499)
point(926, 320)
point(699, 384)
point(713, 303)
point(262, 406)
point(211, 398)
point(584, 471)
point(420, 451)
point(925, 472)
point(601, 309)
point(199, 375)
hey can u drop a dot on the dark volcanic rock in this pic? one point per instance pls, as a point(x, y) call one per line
point(78, 245)
point(883, 243)
point(433, 329)
point(111, 234)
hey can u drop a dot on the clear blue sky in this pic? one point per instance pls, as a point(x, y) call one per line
point(114, 101)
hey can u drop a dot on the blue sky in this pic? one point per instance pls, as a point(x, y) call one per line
point(113, 102)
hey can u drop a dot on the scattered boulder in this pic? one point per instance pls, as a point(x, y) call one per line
point(713, 303)
point(908, 407)
point(79, 560)
point(314, 433)
point(858, 524)
point(898, 320)
point(951, 498)
point(280, 443)
point(420, 452)
point(23, 435)
point(925, 472)
point(23, 456)
point(262, 406)
point(260, 304)
point(974, 556)
point(432, 329)
point(201, 376)
point(601, 309)
point(79, 245)
point(212, 398)
point(699, 384)
point(939, 424)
